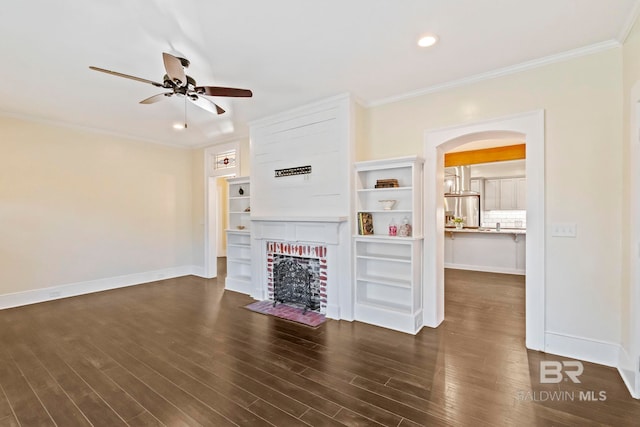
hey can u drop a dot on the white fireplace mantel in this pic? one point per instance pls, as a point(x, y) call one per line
point(300, 218)
point(324, 229)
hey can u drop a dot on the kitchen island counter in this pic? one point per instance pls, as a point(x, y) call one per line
point(486, 230)
point(486, 250)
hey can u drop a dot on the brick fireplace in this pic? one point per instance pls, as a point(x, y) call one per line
point(317, 246)
point(311, 260)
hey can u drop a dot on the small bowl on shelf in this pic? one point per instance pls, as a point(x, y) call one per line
point(240, 227)
point(387, 205)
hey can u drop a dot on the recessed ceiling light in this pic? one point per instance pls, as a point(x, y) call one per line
point(427, 40)
point(179, 126)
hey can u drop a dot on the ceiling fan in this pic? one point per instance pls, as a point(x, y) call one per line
point(179, 83)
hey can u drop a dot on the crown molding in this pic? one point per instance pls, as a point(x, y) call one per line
point(100, 131)
point(236, 137)
point(68, 125)
point(629, 23)
point(500, 72)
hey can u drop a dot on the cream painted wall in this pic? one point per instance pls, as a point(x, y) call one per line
point(631, 79)
point(582, 99)
point(78, 206)
point(198, 189)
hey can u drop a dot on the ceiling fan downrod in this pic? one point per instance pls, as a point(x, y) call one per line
point(185, 112)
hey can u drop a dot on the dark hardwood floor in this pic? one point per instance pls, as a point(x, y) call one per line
point(184, 352)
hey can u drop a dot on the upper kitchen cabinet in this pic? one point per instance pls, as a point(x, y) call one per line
point(491, 195)
point(502, 184)
point(505, 194)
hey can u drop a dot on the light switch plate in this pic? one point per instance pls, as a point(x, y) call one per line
point(564, 229)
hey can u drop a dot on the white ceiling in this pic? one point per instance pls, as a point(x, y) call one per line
point(289, 52)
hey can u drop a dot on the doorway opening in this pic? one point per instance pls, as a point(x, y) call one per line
point(530, 128)
point(221, 162)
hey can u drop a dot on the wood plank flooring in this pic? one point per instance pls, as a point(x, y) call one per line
point(183, 352)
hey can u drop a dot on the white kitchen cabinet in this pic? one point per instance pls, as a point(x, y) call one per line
point(491, 194)
point(388, 269)
point(505, 194)
point(239, 236)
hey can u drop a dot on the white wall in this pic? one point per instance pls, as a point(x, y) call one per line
point(77, 206)
point(582, 100)
point(630, 299)
point(316, 135)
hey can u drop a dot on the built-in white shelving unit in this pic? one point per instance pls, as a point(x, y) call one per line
point(239, 236)
point(388, 269)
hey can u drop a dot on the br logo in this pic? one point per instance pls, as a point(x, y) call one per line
point(553, 372)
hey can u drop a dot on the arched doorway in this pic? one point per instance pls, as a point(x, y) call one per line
point(530, 127)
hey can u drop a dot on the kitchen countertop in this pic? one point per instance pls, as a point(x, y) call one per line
point(487, 230)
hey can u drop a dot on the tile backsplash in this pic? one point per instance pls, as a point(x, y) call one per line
point(507, 219)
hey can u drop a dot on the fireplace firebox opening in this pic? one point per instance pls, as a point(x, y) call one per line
point(297, 275)
point(295, 280)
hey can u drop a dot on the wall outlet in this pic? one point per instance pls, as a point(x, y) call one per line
point(564, 229)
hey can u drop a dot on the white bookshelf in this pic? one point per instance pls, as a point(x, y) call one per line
point(388, 269)
point(239, 207)
point(239, 236)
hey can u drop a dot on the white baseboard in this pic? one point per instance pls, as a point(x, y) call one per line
point(238, 285)
point(595, 351)
point(80, 288)
point(628, 369)
point(484, 268)
point(589, 350)
point(198, 270)
point(333, 311)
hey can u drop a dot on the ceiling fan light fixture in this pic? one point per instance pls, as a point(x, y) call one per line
point(427, 40)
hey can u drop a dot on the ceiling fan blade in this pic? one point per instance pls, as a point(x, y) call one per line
point(224, 91)
point(126, 76)
point(205, 104)
point(174, 69)
point(155, 98)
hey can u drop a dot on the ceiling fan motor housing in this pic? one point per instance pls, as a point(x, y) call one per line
point(168, 83)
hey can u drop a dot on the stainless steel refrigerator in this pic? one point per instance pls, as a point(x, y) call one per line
point(465, 206)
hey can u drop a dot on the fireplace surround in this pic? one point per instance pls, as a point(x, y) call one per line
point(319, 245)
